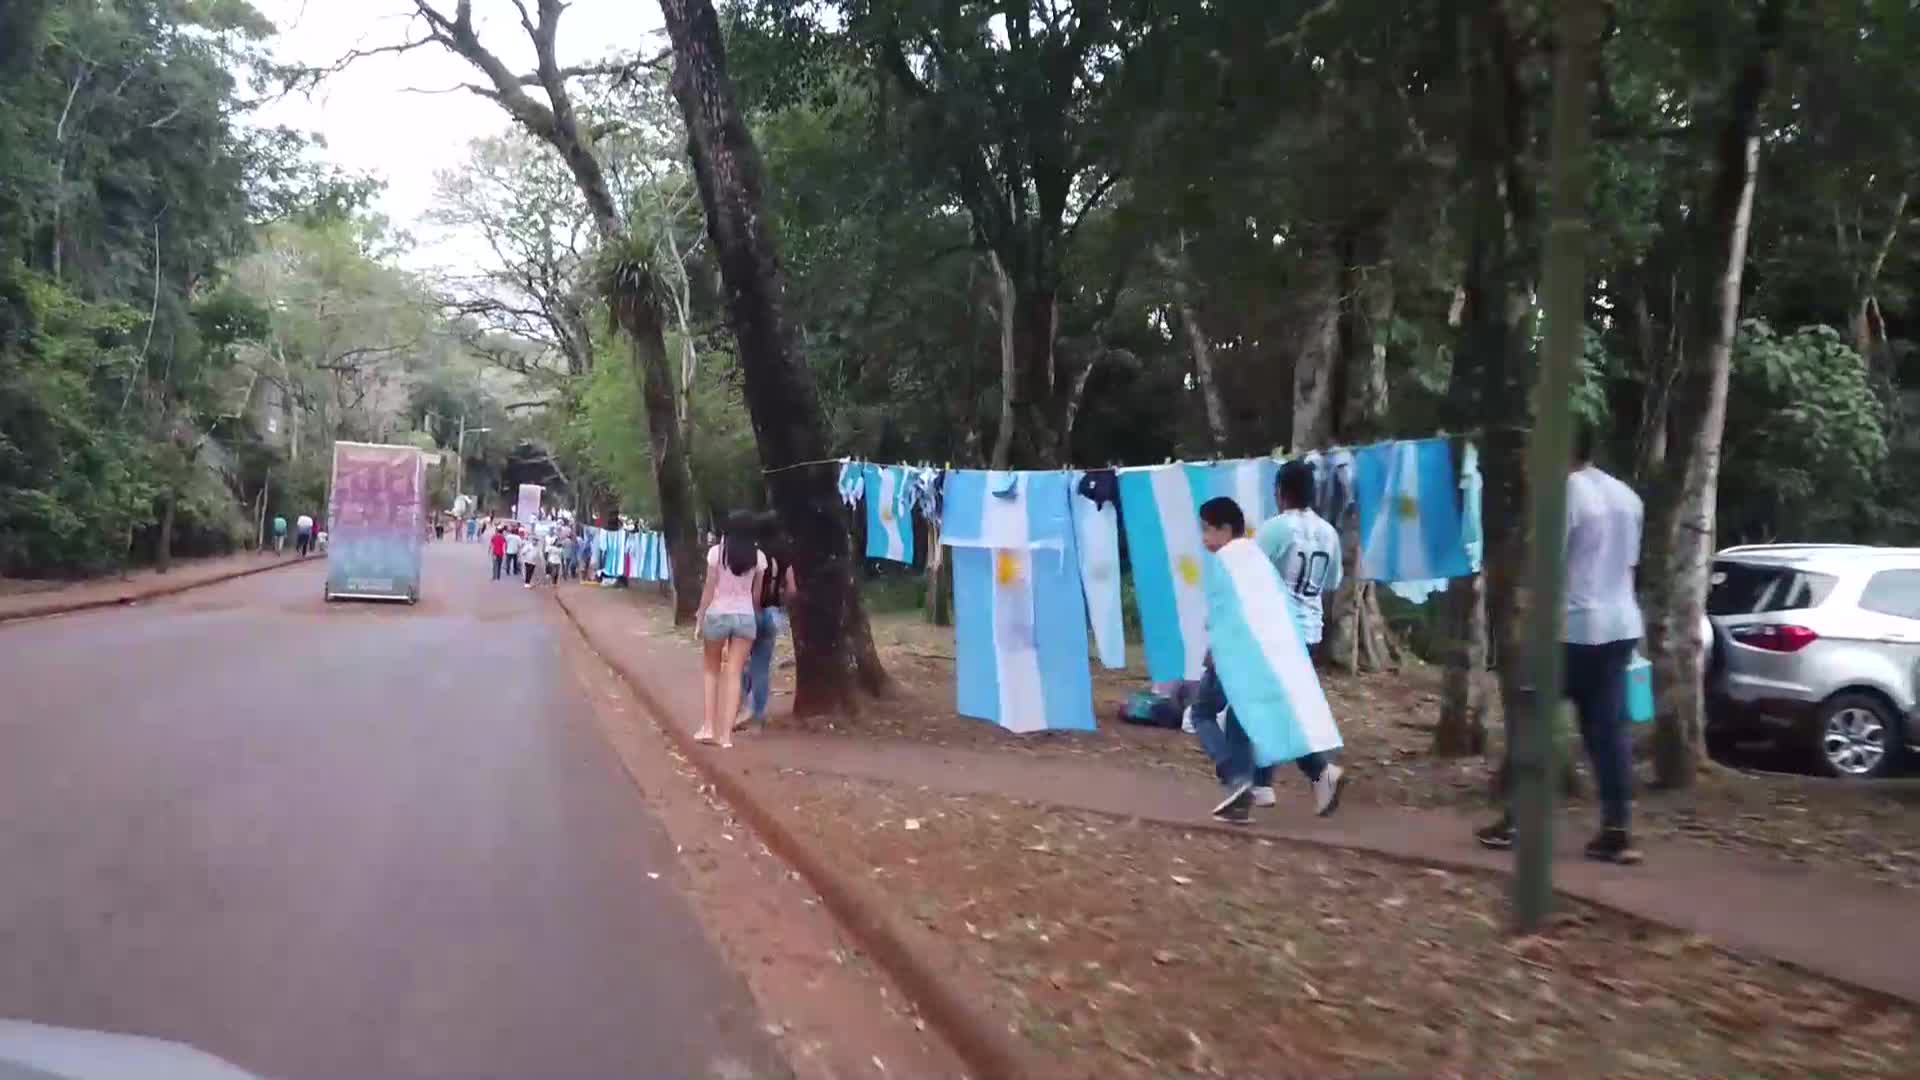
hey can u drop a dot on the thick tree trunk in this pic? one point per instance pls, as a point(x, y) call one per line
point(163, 540)
point(1496, 329)
point(1030, 394)
point(1180, 270)
point(1683, 523)
point(1869, 325)
point(639, 315)
point(833, 643)
point(1316, 361)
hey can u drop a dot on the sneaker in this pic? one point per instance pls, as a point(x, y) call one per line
point(1498, 836)
point(1614, 846)
point(1240, 792)
point(1237, 810)
point(1186, 721)
point(1326, 790)
point(1264, 796)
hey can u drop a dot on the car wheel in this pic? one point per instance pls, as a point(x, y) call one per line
point(1856, 737)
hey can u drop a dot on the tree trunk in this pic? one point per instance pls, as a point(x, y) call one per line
point(1683, 524)
point(834, 651)
point(163, 540)
point(1009, 366)
point(1496, 328)
point(1869, 326)
point(1180, 269)
point(1316, 361)
point(1462, 729)
point(638, 313)
point(1029, 394)
point(939, 602)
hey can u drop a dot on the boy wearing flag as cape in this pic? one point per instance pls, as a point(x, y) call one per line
point(1259, 671)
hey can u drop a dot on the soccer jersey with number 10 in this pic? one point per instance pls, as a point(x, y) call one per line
point(1306, 552)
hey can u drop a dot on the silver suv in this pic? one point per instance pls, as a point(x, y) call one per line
point(1817, 644)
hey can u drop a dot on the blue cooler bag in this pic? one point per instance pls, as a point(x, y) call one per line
point(1640, 690)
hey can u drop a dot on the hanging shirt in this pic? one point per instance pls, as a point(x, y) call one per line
point(853, 482)
point(1306, 552)
point(1096, 531)
point(1603, 546)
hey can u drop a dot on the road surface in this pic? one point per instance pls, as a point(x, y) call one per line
point(345, 840)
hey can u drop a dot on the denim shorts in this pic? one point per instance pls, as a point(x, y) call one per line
point(718, 626)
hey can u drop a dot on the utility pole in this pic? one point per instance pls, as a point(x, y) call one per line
point(1549, 454)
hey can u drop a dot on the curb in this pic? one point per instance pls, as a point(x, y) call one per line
point(170, 589)
point(980, 1042)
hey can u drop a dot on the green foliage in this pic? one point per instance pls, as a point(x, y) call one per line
point(1805, 437)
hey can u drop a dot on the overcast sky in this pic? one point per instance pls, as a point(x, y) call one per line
point(373, 124)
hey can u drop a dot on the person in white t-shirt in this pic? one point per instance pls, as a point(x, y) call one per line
point(303, 535)
point(514, 542)
point(1604, 519)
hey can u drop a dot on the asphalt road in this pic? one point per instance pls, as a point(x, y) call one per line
point(346, 840)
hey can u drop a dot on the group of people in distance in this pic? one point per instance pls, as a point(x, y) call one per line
point(306, 538)
point(521, 552)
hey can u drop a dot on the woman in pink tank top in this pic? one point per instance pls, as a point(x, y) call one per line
point(729, 610)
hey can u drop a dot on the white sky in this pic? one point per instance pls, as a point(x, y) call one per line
point(372, 124)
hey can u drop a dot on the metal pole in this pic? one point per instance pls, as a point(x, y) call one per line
point(1549, 454)
point(460, 451)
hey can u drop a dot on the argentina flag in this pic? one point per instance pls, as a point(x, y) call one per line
point(1248, 482)
point(1409, 502)
point(890, 513)
point(1020, 621)
point(1262, 664)
point(613, 553)
point(1162, 523)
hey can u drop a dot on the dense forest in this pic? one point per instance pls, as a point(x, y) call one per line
point(1017, 234)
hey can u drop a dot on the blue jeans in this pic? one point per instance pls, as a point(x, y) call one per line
point(1227, 743)
point(756, 680)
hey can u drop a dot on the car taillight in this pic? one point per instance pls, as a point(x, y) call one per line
point(1776, 638)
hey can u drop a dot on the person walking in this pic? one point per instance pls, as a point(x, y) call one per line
point(1305, 549)
point(1603, 625)
point(569, 555)
point(514, 543)
point(530, 558)
point(279, 534)
point(770, 620)
point(497, 545)
point(303, 535)
point(554, 557)
point(1214, 720)
point(728, 613)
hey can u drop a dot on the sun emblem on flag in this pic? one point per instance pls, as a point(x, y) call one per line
point(886, 512)
point(1189, 570)
point(1406, 507)
point(1006, 567)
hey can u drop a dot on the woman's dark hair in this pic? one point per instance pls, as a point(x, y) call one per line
point(1223, 513)
point(736, 544)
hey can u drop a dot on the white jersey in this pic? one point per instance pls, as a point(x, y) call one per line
point(1603, 547)
point(1306, 552)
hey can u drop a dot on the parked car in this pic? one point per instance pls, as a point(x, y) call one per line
point(1817, 646)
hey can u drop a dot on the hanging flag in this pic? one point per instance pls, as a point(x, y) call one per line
point(1262, 664)
point(1096, 535)
point(1248, 482)
point(1163, 541)
point(614, 555)
point(853, 482)
point(1020, 624)
point(1409, 500)
point(889, 513)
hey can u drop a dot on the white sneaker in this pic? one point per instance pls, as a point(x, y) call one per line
point(1263, 796)
point(1326, 790)
point(1186, 720)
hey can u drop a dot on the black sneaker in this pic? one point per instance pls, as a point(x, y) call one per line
point(1238, 809)
point(1614, 846)
point(1498, 836)
point(1234, 793)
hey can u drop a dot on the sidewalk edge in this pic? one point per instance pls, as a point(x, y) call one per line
point(979, 1042)
point(175, 588)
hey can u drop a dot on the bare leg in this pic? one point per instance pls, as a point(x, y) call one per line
point(736, 662)
point(712, 654)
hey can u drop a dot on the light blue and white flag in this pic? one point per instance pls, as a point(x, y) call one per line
point(890, 513)
point(1409, 501)
point(1262, 664)
point(1248, 482)
point(1096, 535)
point(1162, 519)
point(613, 553)
point(853, 482)
point(1020, 624)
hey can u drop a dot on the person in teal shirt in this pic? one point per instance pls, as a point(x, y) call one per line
point(279, 535)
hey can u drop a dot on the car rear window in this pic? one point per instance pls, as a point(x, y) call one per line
point(1752, 589)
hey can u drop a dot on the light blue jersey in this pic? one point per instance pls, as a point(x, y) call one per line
point(1306, 552)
